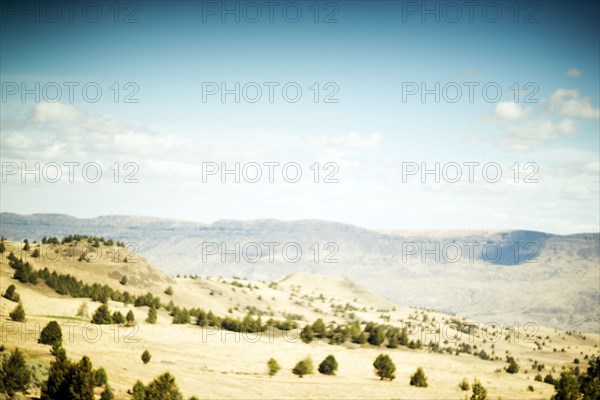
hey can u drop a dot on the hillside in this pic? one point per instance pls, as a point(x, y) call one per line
point(213, 363)
point(528, 281)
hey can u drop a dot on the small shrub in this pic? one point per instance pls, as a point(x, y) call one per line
point(130, 317)
point(169, 291)
point(464, 385)
point(146, 356)
point(82, 311)
point(513, 367)
point(479, 392)
point(124, 279)
point(273, 366)
point(418, 379)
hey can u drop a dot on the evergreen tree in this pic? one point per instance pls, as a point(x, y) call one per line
point(2, 248)
point(18, 314)
point(479, 392)
point(393, 336)
point(107, 394)
point(124, 280)
point(15, 376)
point(273, 366)
point(464, 385)
point(513, 367)
point(328, 366)
point(11, 293)
point(26, 246)
point(307, 334)
point(567, 387)
point(138, 392)
point(303, 367)
point(54, 388)
point(118, 318)
point(403, 339)
point(377, 336)
point(130, 317)
point(80, 380)
point(418, 379)
point(384, 367)
point(590, 381)
point(319, 329)
point(51, 334)
point(152, 315)
point(146, 356)
point(163, 388)
point(102, 315)
point(100, 377)
point(169, 291)
point(181, 316)
point(201, 319)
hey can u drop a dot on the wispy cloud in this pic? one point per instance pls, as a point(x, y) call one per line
point(567, 102)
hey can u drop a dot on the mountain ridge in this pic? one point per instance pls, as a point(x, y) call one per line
point(526, 282)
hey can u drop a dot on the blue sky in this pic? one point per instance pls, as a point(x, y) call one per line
point(369, 55)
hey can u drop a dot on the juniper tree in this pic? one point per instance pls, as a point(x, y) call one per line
point(163, 388)
point(18, 314)
point(100, 377)
point(328, 366)
point(15, 376)
point(384, 367)
point(51, 334)
point(152, 315)
point(146, 356)
point(102, 315)
point(303, 367)
point(418, 379)
point(118, 318)
point(11, 293)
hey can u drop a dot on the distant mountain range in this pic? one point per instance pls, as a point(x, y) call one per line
point(491, 276)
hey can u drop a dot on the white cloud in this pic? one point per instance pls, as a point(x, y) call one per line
point(568, 103)
point(574, 73)
point(592, 167)
point(49, 113)
point(509, 111)
point(532, 134)
point(352, 140)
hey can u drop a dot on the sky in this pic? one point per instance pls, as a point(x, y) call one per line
point(326, 110)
